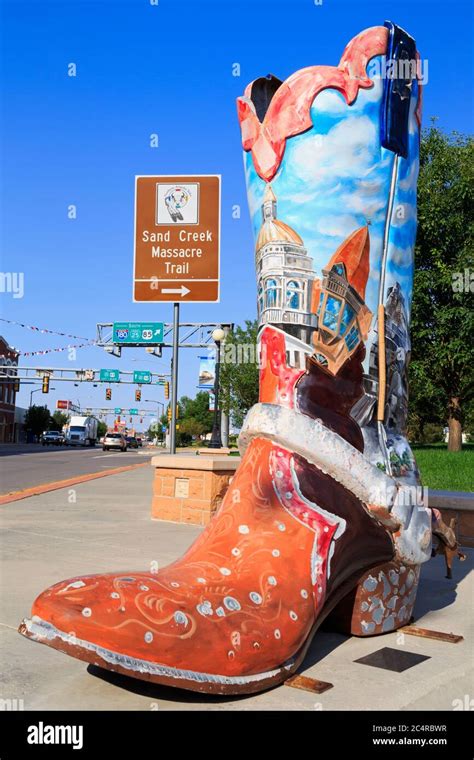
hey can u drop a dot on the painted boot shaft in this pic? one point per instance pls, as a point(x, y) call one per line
point(319, 519)
point(331, 157)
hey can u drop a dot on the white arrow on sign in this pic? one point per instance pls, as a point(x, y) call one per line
point(182, 290)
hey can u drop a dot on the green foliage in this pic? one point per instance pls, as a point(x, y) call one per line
point(433, 433)
point(196, 409)
point(191, 427)
point(233, 440)
point(441, 374)
point(239, 372)
point(101, 428)
point(37, 419)
point(469, 421)
point(153, 431)
point(194, 418)
point(58, 420)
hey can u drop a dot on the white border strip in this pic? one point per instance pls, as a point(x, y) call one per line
point(322, 447)
point(39, 630)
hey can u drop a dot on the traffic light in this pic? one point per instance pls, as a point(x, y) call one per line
point(45, 386)
point(169, 414)
point(177, 411)
point(108, 394)
point(16, 386)
point(167, 390)
point(138, 395)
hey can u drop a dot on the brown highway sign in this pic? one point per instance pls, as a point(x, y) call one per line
point(177, 238)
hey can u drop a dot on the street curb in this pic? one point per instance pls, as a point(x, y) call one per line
point(57, 484)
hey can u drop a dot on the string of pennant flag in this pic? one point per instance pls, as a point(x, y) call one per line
point(57, 350)
point(44, 330)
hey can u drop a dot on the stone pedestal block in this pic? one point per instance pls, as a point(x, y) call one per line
point(189, 489)
point(458, 504)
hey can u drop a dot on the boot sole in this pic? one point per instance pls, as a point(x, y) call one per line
point(208, 683)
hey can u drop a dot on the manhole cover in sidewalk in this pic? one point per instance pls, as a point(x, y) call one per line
point(392, 659)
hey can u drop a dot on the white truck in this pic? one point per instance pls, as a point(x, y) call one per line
point(82, 431)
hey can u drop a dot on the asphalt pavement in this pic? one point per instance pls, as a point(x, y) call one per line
point(27, 465)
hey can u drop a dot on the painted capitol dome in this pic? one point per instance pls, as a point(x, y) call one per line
point(273, 229)
point(284, 275)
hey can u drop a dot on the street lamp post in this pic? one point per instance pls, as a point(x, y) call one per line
point(159, 403)
point(31, 395)
point(216, 441)
point(36, 391)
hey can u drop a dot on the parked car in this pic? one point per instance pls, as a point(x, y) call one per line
point(114, 441)
point(53, 437)
point(132, 442)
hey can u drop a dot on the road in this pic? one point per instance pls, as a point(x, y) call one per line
point(24, 466)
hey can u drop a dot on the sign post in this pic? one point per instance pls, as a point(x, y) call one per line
point(176, 252)
point(174, 378)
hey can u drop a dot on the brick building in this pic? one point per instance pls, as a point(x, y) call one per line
point(8, 358)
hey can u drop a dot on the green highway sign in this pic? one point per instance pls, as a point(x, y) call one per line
point(142, 376)
point(138, 333)
point(133, 411)
point(110, 375)
point(117, 410)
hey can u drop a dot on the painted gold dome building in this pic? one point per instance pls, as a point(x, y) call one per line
point(284, 275)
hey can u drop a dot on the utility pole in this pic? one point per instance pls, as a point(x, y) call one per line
point(174, 378)
point(216, 441)
point(224, 415)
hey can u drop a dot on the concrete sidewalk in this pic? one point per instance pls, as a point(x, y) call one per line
point(105, 525)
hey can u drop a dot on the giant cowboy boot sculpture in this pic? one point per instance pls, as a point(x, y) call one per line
point(324, 517)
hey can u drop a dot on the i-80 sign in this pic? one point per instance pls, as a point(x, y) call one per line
point(138, 333)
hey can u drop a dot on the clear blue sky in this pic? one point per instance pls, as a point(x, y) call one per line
point(143, 69)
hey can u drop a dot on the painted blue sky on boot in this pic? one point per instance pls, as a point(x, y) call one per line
point(335, 178)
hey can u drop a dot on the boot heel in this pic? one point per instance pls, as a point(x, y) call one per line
point(382, 601)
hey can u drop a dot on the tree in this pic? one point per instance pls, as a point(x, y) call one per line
point(427, 403)
point(192, 427)
point(443, 303)
point(37, 419)
point(58, 420)
point(197, 409)
point(101, 428)
point(239, 372)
